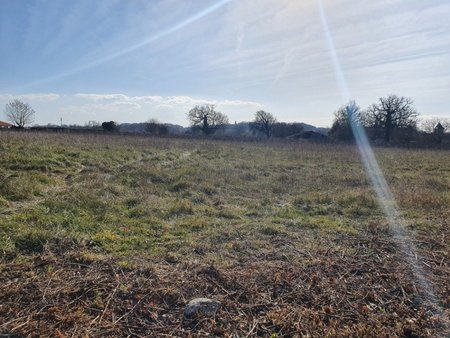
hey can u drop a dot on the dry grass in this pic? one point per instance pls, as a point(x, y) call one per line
point(112, 236)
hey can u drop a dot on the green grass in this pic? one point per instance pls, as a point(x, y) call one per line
point(124, 195)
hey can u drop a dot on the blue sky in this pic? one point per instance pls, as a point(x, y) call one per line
point(132, 60)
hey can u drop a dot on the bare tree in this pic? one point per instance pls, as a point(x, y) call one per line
point(429, 125)
point(92, 124)
point(207, 118)
point(264, 122)
point(344, 117)
point(392, 112)
point(20, 113)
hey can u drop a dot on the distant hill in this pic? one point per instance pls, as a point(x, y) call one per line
point(309, 127)
point(241, 129)
point(281, 129)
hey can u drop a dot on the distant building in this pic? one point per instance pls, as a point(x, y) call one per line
point(439, 129)
point(5, 125)
point(310, 135)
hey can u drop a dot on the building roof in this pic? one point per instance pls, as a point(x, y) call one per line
point(439, 126)
point(5, 124)
point(310, 134)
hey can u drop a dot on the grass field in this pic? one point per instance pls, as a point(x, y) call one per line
point(112, 236)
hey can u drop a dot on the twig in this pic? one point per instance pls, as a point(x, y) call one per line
point(79, 264)
point(12, 321)
point(48, 285)
point(20, 325)
point(126, 314)
point(404, 294)
point(73, 301)
point(426, 264)
point(255, 324)
point(111, 296)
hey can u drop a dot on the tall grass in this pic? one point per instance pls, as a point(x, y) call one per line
point(125, 195)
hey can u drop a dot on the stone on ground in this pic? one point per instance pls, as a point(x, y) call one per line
point(201, 306)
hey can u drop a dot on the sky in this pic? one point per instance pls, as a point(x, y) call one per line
point(135, 60)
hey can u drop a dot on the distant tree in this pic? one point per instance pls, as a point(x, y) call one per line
point(429, 125)
point(20, 113)
point(206, 118)
point(390, 113)
point(435, 129)
point(264, 122)
point(109, 126)
point(343, 119)
point(153, 127)
point(92, 124)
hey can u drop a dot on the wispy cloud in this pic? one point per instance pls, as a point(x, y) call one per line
point(167, 100)
point(127, 49)
point(81, 107)
point(41, 97)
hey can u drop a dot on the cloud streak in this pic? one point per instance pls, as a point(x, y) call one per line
point(40, 97)
point(167, 100)
point(145, 42)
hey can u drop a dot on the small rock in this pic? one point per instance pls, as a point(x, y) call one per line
point(203, 306)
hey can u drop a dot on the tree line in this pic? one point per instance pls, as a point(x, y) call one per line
point(207, 120)
point(392, 119)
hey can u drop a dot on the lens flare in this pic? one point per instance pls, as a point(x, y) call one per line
point(339, 74)
point(158, 36)
point(390, 209)
point(381, 188)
